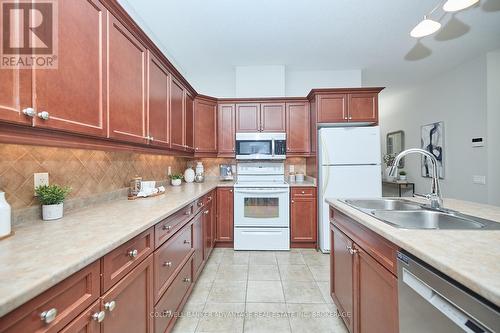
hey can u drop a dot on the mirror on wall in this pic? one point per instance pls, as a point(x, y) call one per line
point(395, 144)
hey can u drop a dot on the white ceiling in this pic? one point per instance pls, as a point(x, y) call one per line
point(205, 38)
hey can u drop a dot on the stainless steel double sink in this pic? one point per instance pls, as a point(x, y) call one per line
point(405, 214)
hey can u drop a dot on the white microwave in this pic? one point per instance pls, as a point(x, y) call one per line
point(260, 146)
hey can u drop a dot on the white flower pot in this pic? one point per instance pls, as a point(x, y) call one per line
point(403, 178)
point(52, 212)
point(386, 174)
point(176, 182)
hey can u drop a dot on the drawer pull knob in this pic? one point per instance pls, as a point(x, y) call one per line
point(303, 192)
point(200, 204)
point(206, 212)
point(110, 306)
point(167, 264)
point(209, 198)
point(187, 242)
point(133, 253)
point(293, 201)
point(167, 227)
point(30, 112)
point(187, 213)
point(49, 315)
point(43, 115)
point(186, 280)
point(99, 316)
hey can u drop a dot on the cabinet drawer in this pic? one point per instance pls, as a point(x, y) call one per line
point(166, 228)
point(170, 257)
point(84, 323)
point(121, 260)
point(61, 304)
point(303, 191)
point(166, 308)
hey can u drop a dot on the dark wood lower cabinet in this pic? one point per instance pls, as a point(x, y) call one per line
point(364, 290)
point(303, 217)
point(133, 302)
point(225, 202)
point(198, 243)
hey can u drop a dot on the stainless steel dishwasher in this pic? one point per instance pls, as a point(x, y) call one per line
point(431, 302)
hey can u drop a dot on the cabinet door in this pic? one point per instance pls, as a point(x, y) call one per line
point(225, 202)
point(73, 94)
point(158, 103)
point(198, 242)
point(313, 127)
point(272, 117)
point(377, 296)
point(189, 123)
point(298, 128)
point(248, 117)
point(363, 107)
point(15, 85)
point(226, 130)
point(342, 273)
point(208, 221)
point(205, 126)
point(85, 323)
point(133, 297)
point(303, 219)
point(177, 119)
point(126, 82)
point(332, 108)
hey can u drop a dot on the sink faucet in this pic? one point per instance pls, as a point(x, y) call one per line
point(435, 195)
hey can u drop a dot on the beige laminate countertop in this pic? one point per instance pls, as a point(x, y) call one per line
point(41, 254)
point(471, 257)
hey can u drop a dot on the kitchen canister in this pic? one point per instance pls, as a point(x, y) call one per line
point(189, 175)
point(5, 216)
point(199, 168)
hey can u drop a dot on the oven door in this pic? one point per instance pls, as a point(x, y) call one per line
point(254, 149)
point(261, 207)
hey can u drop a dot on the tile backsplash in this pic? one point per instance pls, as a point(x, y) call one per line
point(87, 172)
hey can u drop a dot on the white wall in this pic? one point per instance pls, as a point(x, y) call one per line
point(260, 81)
point(300, 82)
point(493, 106)
point(459, 99)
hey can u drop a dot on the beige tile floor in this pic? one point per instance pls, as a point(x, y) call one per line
point(247, 291)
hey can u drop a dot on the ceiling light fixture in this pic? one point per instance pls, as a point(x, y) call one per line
point(426, 27)
point(456, 5)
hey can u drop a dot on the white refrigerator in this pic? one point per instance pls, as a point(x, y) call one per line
point(349, 167)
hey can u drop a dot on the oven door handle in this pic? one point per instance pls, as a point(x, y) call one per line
point(261, 191)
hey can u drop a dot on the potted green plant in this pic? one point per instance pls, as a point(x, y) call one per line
point(402, 175)
point(176, 179)
point(52, 197)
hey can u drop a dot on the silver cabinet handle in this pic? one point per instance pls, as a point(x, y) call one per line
point(187, 242)
point(48, 316)
point(303, 192)
point(99, 316)
point(43, 115)
point(151, 138)
point(293, 201)
point(167, 264)
point(351, 250)
point(206, 212)
point(110, 306)
point(231, 191)
point(133, 253)
point(209, 198)
point(187, 213)
point(167, 227)
point(200, 204)
point(197, 148)
point(30, 112)
point(186, 280)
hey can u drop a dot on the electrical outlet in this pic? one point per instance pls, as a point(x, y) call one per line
point(169, 170)
point(40, 179)
point(479, 180)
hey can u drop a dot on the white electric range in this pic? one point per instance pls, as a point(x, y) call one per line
point(261, 207)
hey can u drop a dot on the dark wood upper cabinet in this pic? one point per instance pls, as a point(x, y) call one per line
point(177, 119)
point(313, 126)
point(248, 117)
point(205, 126)
point(272, 117)
point(363, 107)
point(15, 86)
point(225, 200)
point(73, 95)
point(126, 81)
point(342, 276)
point(298, 138)
point(303, 221)
point(189, 123)
point(332, 108)
point(226, 124)
point(133, 297)
point(158, 103)
point(377, 291)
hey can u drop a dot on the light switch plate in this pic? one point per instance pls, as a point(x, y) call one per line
point(40, 179)
point(479, 180)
